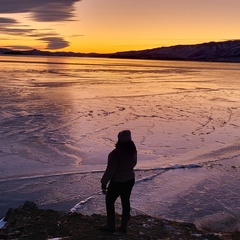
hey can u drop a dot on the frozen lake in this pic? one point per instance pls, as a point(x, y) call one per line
point(60, 118)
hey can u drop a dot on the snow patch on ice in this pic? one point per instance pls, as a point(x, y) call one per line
point(164, 169)
point(55, 238)
point(83, 202)
point(2, 223)
point(219, 222)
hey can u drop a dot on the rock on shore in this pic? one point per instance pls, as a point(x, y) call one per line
point(28, 222)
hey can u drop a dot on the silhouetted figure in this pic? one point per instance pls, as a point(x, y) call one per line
point(121, 178)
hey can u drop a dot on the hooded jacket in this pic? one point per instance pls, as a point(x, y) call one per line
point(120, 167)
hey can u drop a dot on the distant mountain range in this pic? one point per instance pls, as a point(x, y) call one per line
point(228, 51)
point(36, 52)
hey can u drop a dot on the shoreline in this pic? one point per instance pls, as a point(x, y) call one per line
point(28, 222)
point(189, 194)
point(210, 52)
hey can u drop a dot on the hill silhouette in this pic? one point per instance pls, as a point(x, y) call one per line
point(227, 51)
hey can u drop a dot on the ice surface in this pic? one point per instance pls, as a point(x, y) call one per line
point(59, 119)
point(220, 222)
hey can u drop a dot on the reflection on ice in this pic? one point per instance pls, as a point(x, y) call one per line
point(59, 118)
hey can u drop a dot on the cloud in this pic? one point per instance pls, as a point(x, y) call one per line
point(55, 42)
point(41, 10)
point(18, 47)
point(6, 21)
point(15, 31)
point(77, 35)
point(39, 34)
point(11, 27)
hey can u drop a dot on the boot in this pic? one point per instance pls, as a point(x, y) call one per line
point(110, 227)
point(124, 223)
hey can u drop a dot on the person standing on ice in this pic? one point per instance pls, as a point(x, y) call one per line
point(120, 178)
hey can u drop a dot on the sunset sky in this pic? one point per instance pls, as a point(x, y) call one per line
point(107, 26)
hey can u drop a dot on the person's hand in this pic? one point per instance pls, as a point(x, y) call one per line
point(104, 188)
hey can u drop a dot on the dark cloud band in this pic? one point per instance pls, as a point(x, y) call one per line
point(41, 10)
point(7, 21)
point(55, 42)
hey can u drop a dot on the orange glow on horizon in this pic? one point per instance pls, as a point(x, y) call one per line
point(112, 26)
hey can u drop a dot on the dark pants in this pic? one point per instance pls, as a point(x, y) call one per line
point(122, 189)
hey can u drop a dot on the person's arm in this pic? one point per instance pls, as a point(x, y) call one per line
point(135, 159)
point(111, 168)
